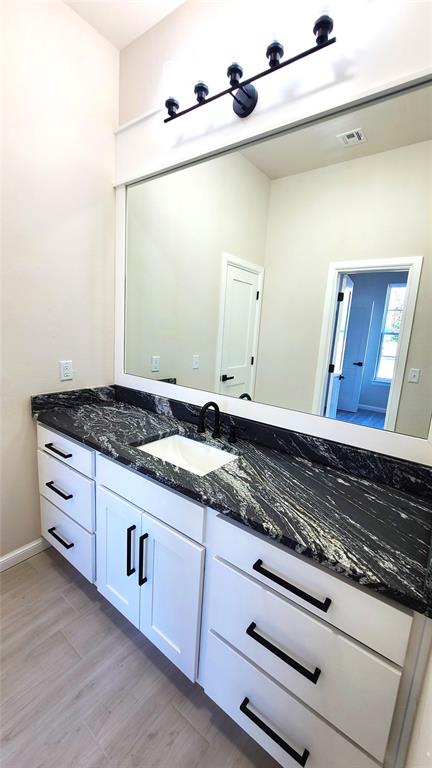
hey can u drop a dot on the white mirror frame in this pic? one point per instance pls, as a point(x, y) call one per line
point(414, 449)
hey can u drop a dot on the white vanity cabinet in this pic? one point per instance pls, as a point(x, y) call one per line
point(152, 573)
point(118, 533)
point(67, 498)
point(308, 664)
point(317, 670)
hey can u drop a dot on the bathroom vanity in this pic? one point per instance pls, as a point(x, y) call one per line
point(296, 594)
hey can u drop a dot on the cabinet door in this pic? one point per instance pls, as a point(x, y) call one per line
point(118, 528)
point(170, 615)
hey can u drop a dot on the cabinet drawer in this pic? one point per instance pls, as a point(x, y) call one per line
point(180, 513)
point(67, 489)
point(73, 542)
point(368, 619)
point(232, 682)
point(66, 450)
point(349, 686)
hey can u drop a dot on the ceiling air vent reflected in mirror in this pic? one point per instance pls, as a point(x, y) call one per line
point(349, 138)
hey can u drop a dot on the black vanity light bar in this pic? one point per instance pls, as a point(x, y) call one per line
point(245, 95)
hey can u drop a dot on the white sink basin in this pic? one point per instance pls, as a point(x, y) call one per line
point(198, 458)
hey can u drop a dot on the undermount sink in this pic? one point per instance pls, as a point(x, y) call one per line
point(198, 458)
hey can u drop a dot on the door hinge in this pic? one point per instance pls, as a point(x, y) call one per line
point(257, 295)
point(331, 368)
point(340, 296)
point(252, 360)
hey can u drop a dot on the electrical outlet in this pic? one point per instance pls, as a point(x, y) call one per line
point(414, 375)
point(195, 362)
point(65, 370)
point(155, 363)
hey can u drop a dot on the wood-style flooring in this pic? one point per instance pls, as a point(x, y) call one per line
point(82, 688)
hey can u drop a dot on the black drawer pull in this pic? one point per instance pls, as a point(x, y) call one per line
point(65, 496)
point(300, 759)
point(50, 447)
point(141, 578)
point(129, 569)
point(312, 676)
point(65, 544)
point(323, 606)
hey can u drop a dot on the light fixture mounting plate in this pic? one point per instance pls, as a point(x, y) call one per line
point(245, 100)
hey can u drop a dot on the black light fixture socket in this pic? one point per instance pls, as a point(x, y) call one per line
point(201, 91)
point(172, 106)
point(274, 53)
point(322, 28)
point(242, 91)
point(235, 74)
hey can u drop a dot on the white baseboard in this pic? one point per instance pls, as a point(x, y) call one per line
point(374, 408)
point(23, 553)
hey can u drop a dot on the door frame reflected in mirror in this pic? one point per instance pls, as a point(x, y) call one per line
point(412, 265)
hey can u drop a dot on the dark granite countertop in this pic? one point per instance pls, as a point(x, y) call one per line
point(370, 533)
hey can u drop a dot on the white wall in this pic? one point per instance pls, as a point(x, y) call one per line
point(178, 228)
point(372, 207)
point(60, 85)
point(378, 45)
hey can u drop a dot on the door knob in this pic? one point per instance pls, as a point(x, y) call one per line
point(224, 377)
point(360, 364)
point(341, 377)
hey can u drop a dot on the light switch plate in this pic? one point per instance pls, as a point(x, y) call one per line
point(195, 362)
point(65, 370)
point(414, 375)
point(155, 363)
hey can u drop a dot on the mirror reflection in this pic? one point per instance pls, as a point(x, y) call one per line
point(296, 272)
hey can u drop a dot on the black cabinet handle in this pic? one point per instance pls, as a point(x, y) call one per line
point(323, 606)
point(65, 496)
point(224, 377)
point(66, 544)
point(360, 364)
point(312, 676)
point(50, 447)
point(141, 578)
point(300, 759)
point(129, 569)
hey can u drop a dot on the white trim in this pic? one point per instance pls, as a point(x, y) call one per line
point(120, 281)
point(141, 118)
point(413, 265)
point(256, 269)
point(413, 281)
point(373, 408)
point(23, 553)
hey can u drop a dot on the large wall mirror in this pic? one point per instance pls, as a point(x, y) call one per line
point(296, 271)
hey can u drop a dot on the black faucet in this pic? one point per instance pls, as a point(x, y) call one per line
point(201, 418)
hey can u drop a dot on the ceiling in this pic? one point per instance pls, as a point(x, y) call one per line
point(392, 123)
point(122, 21)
